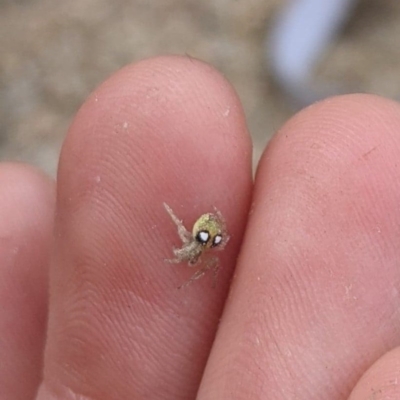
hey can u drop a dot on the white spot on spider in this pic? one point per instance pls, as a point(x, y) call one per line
point(217, 239)
point(125, 125)
point(204, 236)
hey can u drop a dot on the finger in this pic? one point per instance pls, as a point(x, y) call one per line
point(316, 296)
point(164, 130)
point(26, 214)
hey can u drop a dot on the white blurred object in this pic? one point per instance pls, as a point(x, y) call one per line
point(298, 39)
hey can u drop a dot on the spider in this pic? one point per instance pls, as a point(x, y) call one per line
point(209, 232)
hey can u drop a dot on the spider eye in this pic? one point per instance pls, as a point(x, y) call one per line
point(203, 237)
point(217, 240)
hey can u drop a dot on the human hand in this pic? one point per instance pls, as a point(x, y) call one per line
point(314, 301)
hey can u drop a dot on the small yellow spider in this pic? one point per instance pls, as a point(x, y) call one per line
point(209, 232)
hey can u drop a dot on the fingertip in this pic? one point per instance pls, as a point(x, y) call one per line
point(174, 99)
point(336, 128)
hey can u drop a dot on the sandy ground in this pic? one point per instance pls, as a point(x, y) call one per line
point(54, 53)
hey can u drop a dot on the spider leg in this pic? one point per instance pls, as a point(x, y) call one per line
point(179, 258)
point(183, 233)
point(212, 263)
point(219, 215)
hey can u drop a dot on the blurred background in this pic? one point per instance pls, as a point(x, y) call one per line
point(54, 53)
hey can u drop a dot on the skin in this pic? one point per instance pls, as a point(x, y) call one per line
point(312, 310)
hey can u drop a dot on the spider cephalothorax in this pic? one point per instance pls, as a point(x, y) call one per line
point(209, 232)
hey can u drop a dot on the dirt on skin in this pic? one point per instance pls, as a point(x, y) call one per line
point(53, 54)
